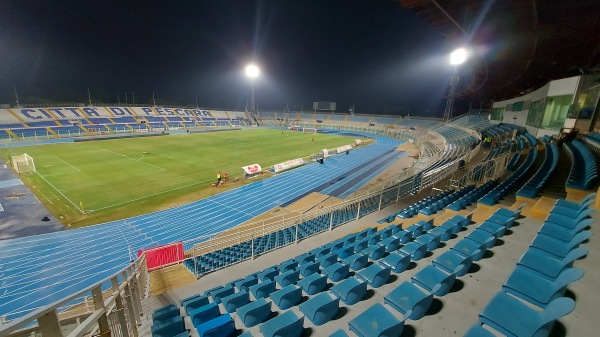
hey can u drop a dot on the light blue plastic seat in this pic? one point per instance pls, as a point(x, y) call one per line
point(493, 228)
point(165, 314)
point(287, 297)
point(430, 240)
point(287, 265)
point(304, 258)
point(454, 263)
point(235, 300)
point(246, 283)
point(415, 230)
point(396, 261)
point(222, 326)
point(350, 290)
point(505, 221)
point(221, 292)
point(344, 252)
point(309, 268)
point(255, 312)
point(376, 321)
point(375, 251)
point(356, 261)
point(390, 244)
point(548, 265)
point(478, 331)
point(339, 333)
point(416, 250)
point(359, 246)
point(337, 271)
point(569, 222)
point(563, 233)
point(263, 289)
point(287, 278)
point(268, 274)
point(327, 260)
point(429, 277)
point(482, 237)
point(321, 308)
point(575, 205)
point(170, 327)
point(313, 284)
point(531, 287)
point(193, 298)
point(470, 248)
point(403, 236)
point(409, 300)
point(204, 313)
point(374, 238)
point(572, 212)
point(375, 275)
point(167, 308)
point(318, 252)
point(284, 325)
point(512, 317)
point(557, 247)
point(452, 225)
point(443, 233)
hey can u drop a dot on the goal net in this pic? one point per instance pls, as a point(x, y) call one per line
point(309, 130)
point(23, 163)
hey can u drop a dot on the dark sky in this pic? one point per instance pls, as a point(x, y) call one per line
point(372, 53)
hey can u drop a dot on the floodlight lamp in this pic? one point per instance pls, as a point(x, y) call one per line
point(459, 56)
point(252, 71)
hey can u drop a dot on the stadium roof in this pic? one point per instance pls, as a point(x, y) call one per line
point(520, 44)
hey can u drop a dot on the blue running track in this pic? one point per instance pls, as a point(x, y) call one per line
point(38, 270)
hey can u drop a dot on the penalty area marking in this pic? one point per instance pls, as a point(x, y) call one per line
point(67, 163)
point(138, 160)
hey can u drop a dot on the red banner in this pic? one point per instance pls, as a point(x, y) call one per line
point(163, 255)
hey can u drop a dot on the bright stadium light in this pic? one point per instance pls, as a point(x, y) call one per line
point(459, 56)
point(252, 71)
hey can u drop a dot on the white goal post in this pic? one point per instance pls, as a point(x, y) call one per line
point(23, 163)
point(309, 130)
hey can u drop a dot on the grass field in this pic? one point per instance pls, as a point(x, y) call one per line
point(90, 182)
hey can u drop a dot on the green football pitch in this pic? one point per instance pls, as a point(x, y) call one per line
point(96, 181)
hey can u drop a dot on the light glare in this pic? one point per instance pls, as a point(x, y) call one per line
point(459, 56)
point(252, 71)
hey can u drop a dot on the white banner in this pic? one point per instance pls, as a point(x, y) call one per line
point(358, 141)
point(325, 153)
point(344, 148)
point(288, 164)
point(252, 169)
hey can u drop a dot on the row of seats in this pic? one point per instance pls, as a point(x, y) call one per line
point(414, 209)
point(532, 188)
point(472, 195)
point(541, 276)
point(583, 166)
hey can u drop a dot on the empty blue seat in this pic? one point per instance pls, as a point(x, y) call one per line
point(429, 277)
point(350, 290)
point(376, 321)
point(430, 240)
point(415, 230)
point(339, 333)
point(416, 250)
point(575, 205)
point(222, 292)
point(396, 261)
point(409, 300)
point(287, 297)
point(533, 288)
point(550, 266)
point(337, 271)
point(564, 233)
point(304, 258)
point(444, 233)
point(375, 275)
point(375, 251)
point(236, 300)
point(222, 326)
point(478, 331)
point(165, 314)
point(356, 261)
point(452, 262)
point(287, 278)
point(359, 246)
point(255, 312)
point(166, 308)
point(374, 238)
point(170, 327)
point(327, 260)
point(318, 252)
point(287, 265)
point(483, 237)
point(196, 303)
point(470, 248)
point(284, 325)
point(204, 313)
point(344, 252)
point(263, 289)
point(321, 308)
point(309, 268)
point(191, 299)
point(566, 221)
point(493, 228)
point(268, 274)
point(513, 317)
point(390, 244)
point(403, 236)
point(313, 284)
point(246, 283)
point(558, 247)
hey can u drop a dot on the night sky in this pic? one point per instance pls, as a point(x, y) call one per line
point(373, 53)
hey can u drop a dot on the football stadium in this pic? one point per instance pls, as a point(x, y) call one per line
point(160, 220)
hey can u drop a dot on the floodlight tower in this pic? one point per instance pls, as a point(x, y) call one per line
point(457, 57)
point(252, 72)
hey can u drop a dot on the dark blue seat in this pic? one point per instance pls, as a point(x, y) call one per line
point(263, 289)
point(337, 271)
point(287, 278)
point(268, 274)
point(375, 251)
point(204, 313)
point(321, 308)
point(222, 326)
point(222, 292)
point(235, 300)
point(313, 284)
point(170, 327)
point(309, 268)
point(327, 260)
point(246, 283)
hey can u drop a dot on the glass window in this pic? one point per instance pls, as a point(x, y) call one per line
point(555, 113)
point(536, 112)
point(497, 114)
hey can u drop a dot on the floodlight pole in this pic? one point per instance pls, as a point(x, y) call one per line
point(451, 94)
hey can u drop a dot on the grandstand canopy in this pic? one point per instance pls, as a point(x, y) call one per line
point(522, 44)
